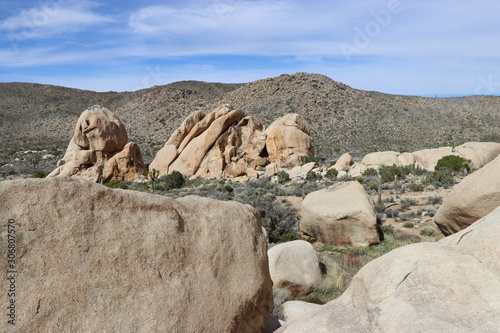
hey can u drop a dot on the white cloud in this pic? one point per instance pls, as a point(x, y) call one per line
point(52, 19)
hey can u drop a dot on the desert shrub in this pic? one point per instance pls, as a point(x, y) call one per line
point(332, 173)
point(225, 188)
point(39, 174)
point(416, 187)
point(173, 180)
point(435, 200)
point(490, 138)
point(280, 296)
point(306, 159)
point(391, 173)
point(311, 175)
point(352, 260)
point(116, 184)
point(283, 177)
point(408, 225)
point(429, 232)
point(370, 172)
point(439, 178)
point(453, 162)
point(391, 212)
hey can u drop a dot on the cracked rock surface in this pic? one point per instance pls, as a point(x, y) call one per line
point(449, 286)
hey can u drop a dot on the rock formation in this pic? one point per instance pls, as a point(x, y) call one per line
point(471, 199)
point(341, 215)
point(294, 266)
point(449, 286)
point(288, 138)
point(478, 153)
point(92, 259)
point(98, 150)
point(377, 159)
point(226, 143)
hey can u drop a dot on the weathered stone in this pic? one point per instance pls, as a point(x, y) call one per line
point(344, 161)
point(94, 259)
point(479, 153)
point(428, 158)
point(195, 150)
point(187, 125)
point(293, 310)
point(165, 156)
point(341, 215)
point(100, 129)
point(473, 198)
point(449, 286)
point(378, 159)
point(406, 159)
point(294, 266)
point(287, 139)
point(126, 165)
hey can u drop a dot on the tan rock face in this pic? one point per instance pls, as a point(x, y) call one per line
point(341, 215)
point(294, 266)
point(93, 259)
point(344, 161)
point(448, 286)
point(99, 144)
point(428, 158)
point(126, 165)
point(288, 138)
point(225, 143)
point(192, 154)
point(100, 129)
point(479, 153)
point(377, 159)
point(473, 198)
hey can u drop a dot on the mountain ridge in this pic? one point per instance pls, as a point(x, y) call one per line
point(342, 118)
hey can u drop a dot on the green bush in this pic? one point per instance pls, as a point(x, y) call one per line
point(39, 174)
point(453, 162)
point(283, 177)
point(116, 184)
point(173, 180)
point(332, 173)
point(306, 159)
point(311, 175)
point(440, 177)
point(416, 187)
point(392, 173)
point(370, 172)
point(408, 225)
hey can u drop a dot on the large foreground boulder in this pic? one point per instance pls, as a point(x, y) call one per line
point(449, 286)
point(92, 259)
point(294, 266)
point(341, 215)
point(474, 197)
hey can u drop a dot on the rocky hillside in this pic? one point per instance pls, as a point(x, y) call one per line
point(342, 118)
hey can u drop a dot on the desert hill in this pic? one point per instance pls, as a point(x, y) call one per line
point(342, 118)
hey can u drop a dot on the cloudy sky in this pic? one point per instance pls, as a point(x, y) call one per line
point(413, 47)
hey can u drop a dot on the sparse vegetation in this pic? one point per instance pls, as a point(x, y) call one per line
point(332, 173)
point(283, 177)
point(116, 184)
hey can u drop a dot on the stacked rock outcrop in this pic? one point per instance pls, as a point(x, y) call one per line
point(226, 143)
point(98, 150)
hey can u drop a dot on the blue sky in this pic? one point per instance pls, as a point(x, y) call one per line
point(413, 47)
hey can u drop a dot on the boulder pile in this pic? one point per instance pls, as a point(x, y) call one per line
point(98, 150)
point(226, 143)
point(448, 286)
